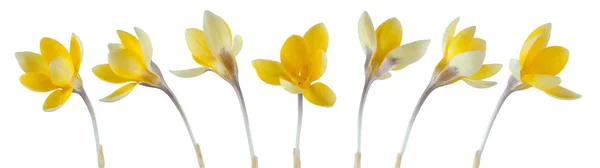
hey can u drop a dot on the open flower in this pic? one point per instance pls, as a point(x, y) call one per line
point(384, 53)
point(215, 50)
point(57, 70)
point(537, 66)
point(303, 61)
point(463, 60)
point(131, 62)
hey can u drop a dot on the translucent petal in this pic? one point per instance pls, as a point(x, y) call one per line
point(549, 61)
point(468, 63)
point(145, 45)
point(112, 47)
point(37, 81)
point(51, 49)
point(320, 95)
point(126, 64)
point(289, 86)
point(562, 93)
point(366, 34)
point(486, 71)
point(56, 99)
point(515, 69)
point(130, 42)
point(218, 35)
point(105, 73)
point(536, 42)
point(385, 76)
point(119, 93)
point(196, 42)
point(461, 42)
point(408, 53)
point(188, 73)
point(269, 71)
point(448, 34)
point(237, 45)
point(31, 62)
point(479, 83)
point(541, 81)
point(61, 71)
point(317, 37)
point(294, 55)
point(76, 52)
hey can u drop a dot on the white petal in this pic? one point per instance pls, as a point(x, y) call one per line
point(366, 34)
point(217, 34)
point(145, 44)
point(112, 47)
point(449, 33)
point(188, 73)
point(237, 45)
point(515, 69)
point(409, 53)
point(480, 83)
point(289, 86)
point(385, 76)
point(542, 81)
point(468, 63)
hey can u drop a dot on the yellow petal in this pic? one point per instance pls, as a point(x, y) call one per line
point(294, 55)
point(37, 82)
point(479, 83)
point(486, 71)
point(385, 76)
point(196, 42)
point(536, 42)
point(366, 34)
point(119, 93)
point(130, 42)
point(269, 71)
point(477, 44)
point(112, 47)
point(61, 71)
point(218, 35)
point(549, 61)
point(541, 81)
point(562, 93)
point(105, 73)
point(317, 64)
point(461, 42)
point(389, 36)
point(289, 86)
point(320, 95)
point(145, 45)
point(188, 73)
point(515, 69)
point(51, 49)
point(237, 45)
point(126, 64)
point(468, 63)
point(76, 52)
point(56, 99)
point(448, 34)
point(408, 53)
point(317, 37)
point(31, 62)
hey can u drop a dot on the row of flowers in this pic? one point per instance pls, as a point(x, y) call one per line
point(303, 61)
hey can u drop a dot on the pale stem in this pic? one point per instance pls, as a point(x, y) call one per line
point(299, 127)
point(426, 93)
point(171, 95)
point(95, 126)
point(238, 91)
point(361, 107)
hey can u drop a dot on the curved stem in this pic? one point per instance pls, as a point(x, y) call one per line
point(363, 100)
point(187, 124)
point(95, 126)
point(238, 91)
point(426, 93)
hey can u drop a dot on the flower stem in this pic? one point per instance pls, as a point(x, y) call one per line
point(505, 94)
point(171, 95)
point(363, 100)
point(238, 91)
point(298, 130)
point(424, 96)
point(95, 126)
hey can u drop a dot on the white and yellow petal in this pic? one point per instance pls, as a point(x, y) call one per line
point(217, 33)
point(562, 93)
point(237, 45)
point(188, 73)
point(486, 71)
point(145, 45)
point(320, 95)
point(76, 52)
point(448, 34)
point(479, 83)
point(37, 81)
point(105, 73)
point(477, 44)
point(126, 63)
point(541, 81)
point(196, 42)
point(31, 62)
point(289, 86)
point(536, 42)
point(112, 47)
point(269, 71)
point(468, 63)
point(408, 53)
point(61, 71)
point(461, 42)
point(131, 43)
point(119, 93)
point(549, 61)
point(366, 34)
point(51, 49)
point(515, 69)
point(385, 76)
point(56, 99)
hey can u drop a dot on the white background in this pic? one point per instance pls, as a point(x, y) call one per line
point(145, 130)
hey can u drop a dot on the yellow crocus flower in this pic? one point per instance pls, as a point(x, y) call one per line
point(56, 69)
point(215, 50)
point(383, 53)
point(303, 61)
point(131, 62)
point(537, 66)
point(463, 60)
